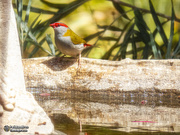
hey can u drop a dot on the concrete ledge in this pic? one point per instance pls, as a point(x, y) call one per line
point(95, 74)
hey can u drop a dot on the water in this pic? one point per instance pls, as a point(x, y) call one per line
point(97, 130)
point(146, 112)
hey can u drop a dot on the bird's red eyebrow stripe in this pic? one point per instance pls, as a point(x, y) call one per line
point(62, 24)
point(54, 25)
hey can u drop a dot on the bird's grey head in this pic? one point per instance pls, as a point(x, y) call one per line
point(59, 28)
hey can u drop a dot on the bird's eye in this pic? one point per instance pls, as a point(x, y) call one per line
point(56, 24)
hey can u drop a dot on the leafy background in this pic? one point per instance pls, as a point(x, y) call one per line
point(141, 29)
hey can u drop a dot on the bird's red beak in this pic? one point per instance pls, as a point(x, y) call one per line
point(52, 25)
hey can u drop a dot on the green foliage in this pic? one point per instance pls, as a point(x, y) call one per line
point(141, 39)
point(169, 46)
point(136, 39)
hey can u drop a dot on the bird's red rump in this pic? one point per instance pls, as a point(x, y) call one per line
point(85, 45)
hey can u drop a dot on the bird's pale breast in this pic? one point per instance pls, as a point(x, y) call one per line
point(66, 46)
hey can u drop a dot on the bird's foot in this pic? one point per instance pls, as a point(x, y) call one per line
point(61, 58)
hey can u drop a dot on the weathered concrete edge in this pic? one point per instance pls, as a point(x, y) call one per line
point(156, 74)
point(168, 62)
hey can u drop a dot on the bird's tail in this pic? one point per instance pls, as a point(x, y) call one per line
point(85, 45)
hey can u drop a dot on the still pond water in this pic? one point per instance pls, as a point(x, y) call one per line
point(118, 113)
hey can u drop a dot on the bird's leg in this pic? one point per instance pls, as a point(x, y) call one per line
point(80, 126)
point(79, 61)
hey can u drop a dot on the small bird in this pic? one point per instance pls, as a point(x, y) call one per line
point(68, 42)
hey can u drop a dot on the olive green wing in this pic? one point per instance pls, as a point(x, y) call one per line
point(74, 37)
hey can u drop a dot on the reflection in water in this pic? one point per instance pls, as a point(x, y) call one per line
point(152, 98)
point(112, 111)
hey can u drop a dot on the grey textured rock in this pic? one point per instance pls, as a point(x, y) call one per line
point(126, 75)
